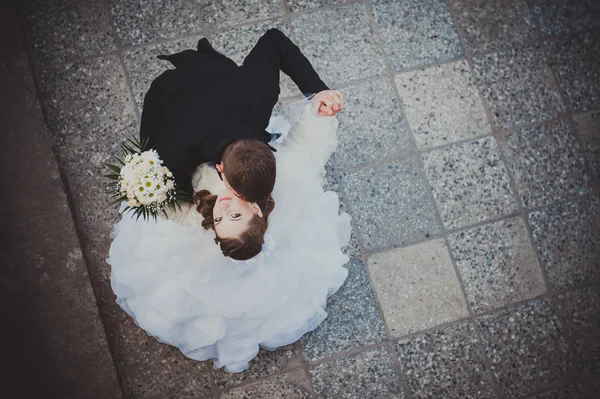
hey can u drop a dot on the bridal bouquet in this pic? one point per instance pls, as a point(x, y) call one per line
point(140, 180)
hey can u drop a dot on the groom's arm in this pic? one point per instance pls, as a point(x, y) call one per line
point(275, 51)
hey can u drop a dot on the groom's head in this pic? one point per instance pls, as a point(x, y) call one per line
point(248, 167)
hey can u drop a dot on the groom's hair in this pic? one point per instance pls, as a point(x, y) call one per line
point(249, 167)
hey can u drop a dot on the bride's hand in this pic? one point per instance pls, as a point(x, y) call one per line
point(328, 102)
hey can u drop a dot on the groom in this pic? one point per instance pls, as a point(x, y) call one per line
point(208, 109)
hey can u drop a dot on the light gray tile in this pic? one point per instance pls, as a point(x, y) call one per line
point(339, 42)
point(353, 318)
point(469, 182)
point(446, 363)
point(299, 5)
point(87, 101)
point(493, 25)
point(69, 33)
point(146, 21)
point(371, 125)
point(416, 32)
point(417, 287)
point(558, 16)
point(525, 347)
point(568, 240)
point(292, 385)
point(390, 204)
point(442, 104)
point(518, 86)
point(497, 264)
point(587, 127)
point(369, 374)
point(546, 163)
point(226, 13)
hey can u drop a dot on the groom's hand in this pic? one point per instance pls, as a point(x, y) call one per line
point(328, 102)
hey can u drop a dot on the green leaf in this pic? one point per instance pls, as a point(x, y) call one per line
point(114, 168)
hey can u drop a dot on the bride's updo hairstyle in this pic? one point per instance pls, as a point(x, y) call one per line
point(249, 243)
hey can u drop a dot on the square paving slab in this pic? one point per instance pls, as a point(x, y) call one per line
point(497, 264)
point(558, 16)
point(446, 363)
point(442, 104)
point(587, 127)
point(416, 32)
point(568, 240)
point(469, 182)
point(417, 287)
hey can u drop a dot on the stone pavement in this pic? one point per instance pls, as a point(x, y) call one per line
point(469, 158)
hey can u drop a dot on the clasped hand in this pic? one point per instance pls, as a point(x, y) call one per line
point(328, 102)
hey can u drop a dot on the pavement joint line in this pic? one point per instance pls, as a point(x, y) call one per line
point(347, 353)
point(399, 369)
point(324, 7)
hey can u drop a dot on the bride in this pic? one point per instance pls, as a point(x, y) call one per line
point(175, 282)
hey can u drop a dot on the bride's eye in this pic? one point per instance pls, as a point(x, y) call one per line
point(217, 220)
point(235, 215)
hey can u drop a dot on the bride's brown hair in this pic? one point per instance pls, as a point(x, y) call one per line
point(249, 243)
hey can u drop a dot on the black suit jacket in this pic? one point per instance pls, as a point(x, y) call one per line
point(191, 113)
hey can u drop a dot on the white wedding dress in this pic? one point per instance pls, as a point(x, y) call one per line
point(171, 277)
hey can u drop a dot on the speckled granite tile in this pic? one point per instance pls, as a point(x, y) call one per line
point(417, 287)
point(493, 25)
point(576, 62)
point(292, 385)
point(339, 42)
point(224, 13)
point(568, 241)
point(390, 204)
point(69, 33)
point(87, 101)
point(144, 67)
point(442, 105)
point(416, 32)
point(469, 182)
point(265, 364)
point(371, 125)
point(573, 391)
point(353, 318)
point(559, 16)
point(587, 127)
point(580, 313)
point(547, 164)
point(525, 346)
point(518, 86)
point(299, 5)
point(146, 21)
point(498, 264)
point(369, 374)
point(236, 43)
point(446, 363)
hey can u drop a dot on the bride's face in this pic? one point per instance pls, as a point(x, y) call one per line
point(231, 214)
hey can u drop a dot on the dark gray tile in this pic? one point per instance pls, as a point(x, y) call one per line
point(31, 7)
point(498, 264)
point(371, 125)
point(390, 204)
point(469, 182)
point(369, 374)
point(226, 13)
point(68, 33)
point(145, 21)
point(525, 346)
point(353, 318)
point(493, 25)
point(150, 369)
point(568, 240)
point(576, 62)
point(265, 364)
point(559, 16)
point(325, 36)
point(580, 313)
point(546, 163)
point(442, 104)
point(573, 391)
point(299, 5)
point(445, 363)
point(587, 127)
point(87, 101)
point(416, 32)
point(293, 385)
point(236, 43)
point(144, 67)
point(518, 86)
